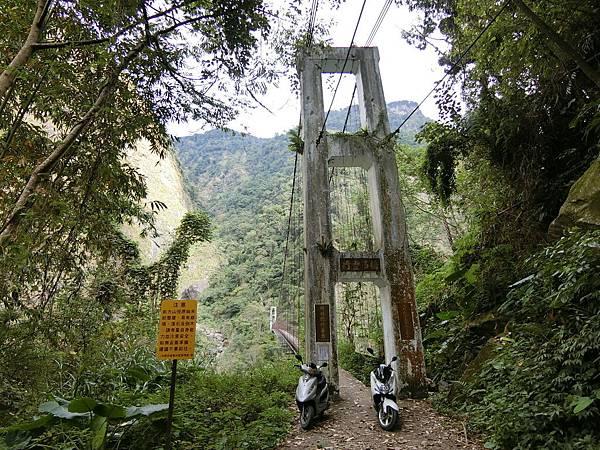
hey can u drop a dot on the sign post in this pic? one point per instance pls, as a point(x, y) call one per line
point(176, 340)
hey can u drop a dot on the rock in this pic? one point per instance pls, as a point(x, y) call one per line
point(485, 354)
point(194, 291)
point(582, 207)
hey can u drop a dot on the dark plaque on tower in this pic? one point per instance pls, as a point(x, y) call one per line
point(359, 264)
point(322, 323)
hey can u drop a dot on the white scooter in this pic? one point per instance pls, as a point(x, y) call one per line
point(383, 391)
point(312, 393)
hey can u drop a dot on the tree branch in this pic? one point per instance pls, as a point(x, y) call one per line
point(23, 203)
point(49, 45)
point(83, 43)
point(23, 110)
point(8, 75)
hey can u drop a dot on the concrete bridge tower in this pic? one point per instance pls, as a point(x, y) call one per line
point(389, 266)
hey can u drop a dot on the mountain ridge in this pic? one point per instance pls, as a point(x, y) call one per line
point(217, 159)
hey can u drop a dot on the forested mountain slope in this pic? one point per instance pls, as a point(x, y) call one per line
point(222, 165)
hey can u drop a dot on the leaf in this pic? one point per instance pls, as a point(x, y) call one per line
point(82, 405)
point(582, 403)
point(498, 365)
point(99, 426)
point(436, 334)
point(447, 315)
point(146, 410)
point(471, 274)
point(138, 373)
point(57, 410)
point(453, 276)
point(522, 281)
point(40, 422)
point(110, 411)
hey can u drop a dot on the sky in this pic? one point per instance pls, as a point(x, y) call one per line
point(407, 73)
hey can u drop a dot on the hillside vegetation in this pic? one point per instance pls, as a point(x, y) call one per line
point(511, 318)
point(82, 86)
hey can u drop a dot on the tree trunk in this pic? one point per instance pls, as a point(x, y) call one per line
point(63, 147)
point(448, 231)
point(7, 77)
point(565, 49)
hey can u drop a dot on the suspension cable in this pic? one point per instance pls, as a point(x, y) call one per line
point(452, 68)
point(341, 73)
point(375, 29)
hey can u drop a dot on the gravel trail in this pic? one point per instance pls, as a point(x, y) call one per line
point(350, 423)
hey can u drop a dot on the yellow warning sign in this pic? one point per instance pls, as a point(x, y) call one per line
point(177, 329)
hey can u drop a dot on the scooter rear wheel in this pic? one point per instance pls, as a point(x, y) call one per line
point(306, 415)
point(387, 420)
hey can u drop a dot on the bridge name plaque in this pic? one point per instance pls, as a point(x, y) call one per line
point(359, 265)
point(323, 330)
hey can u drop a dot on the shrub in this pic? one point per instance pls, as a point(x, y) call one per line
point(212, 411)
point(358, 364)
point(541, 386)
point(247, 409)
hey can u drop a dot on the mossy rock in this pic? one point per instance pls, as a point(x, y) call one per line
point(582, 207)
point(487, 352)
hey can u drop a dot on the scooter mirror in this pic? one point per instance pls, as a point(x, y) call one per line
point(298, 357)
point(324, 364)
point(370, 350)
point(395, 358)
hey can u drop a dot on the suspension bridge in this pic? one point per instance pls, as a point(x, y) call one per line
point(346, 242)
point(346, 225)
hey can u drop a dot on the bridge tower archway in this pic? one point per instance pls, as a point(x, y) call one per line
point(388, 265)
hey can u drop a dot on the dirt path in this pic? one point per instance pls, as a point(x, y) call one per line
point(350, 423)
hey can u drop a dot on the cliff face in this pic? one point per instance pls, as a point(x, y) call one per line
point(166, 185)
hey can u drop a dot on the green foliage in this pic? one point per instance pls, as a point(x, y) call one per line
point(76, 305)
point(296, 144)
point(358, 364)
point(425, 260)
point(540, 388)
point(524, 104)
point(522, 359)
point(91, 421)
point(432, 226)
point(246, 409)
point(458, 303)
point(159, 279)
point(444, 146)
point(213, 411)
point(101, 335)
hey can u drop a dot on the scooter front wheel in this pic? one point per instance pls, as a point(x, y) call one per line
point(387, 420)
point(306, 415)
